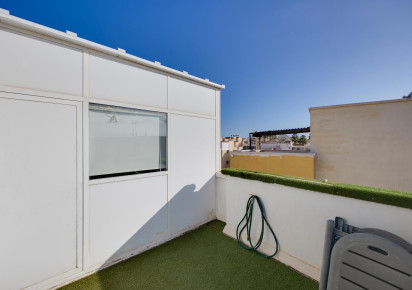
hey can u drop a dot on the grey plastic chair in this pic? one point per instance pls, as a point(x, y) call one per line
point(356, 258)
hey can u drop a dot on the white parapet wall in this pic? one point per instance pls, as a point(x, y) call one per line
point(299, 217)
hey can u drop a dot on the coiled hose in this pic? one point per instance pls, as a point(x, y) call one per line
point(248, 226)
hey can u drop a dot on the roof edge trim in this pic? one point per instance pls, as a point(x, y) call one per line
point(360, 104)
point(14, 21)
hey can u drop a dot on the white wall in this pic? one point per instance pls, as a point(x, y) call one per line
point(221, 197)
point(192, 170)
point(112, 218)
point(39, 189)
point(120, 81)
point(133, 212)
point(277, 146)
point(299, 217)
point(188, 97)
point(34, 63)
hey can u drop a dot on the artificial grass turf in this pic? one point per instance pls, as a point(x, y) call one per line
point(202, 259)
point(373, 194)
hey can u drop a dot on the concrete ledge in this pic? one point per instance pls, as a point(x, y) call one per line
point(372, 194)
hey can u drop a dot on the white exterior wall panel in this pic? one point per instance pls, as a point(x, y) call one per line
point(38, 190)
point(192, 171)
point(188, 97)
point(33, 63)
point(118, 81)
point(125, 216)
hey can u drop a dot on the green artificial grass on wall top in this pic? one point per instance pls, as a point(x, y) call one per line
point(378, 195)
point(202, 259)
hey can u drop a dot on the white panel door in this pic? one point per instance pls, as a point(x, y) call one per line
point(39, 188)
point(192, 147)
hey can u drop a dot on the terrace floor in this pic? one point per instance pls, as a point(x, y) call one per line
point(202, 259)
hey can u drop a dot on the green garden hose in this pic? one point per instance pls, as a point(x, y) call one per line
point(248, 226)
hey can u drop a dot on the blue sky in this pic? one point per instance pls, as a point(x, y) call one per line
point(276, 58)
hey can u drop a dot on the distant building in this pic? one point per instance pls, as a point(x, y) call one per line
point(281, 143)
point(365, 143)
point(232, 143)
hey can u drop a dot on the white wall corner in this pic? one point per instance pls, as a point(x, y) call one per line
point(4, 11)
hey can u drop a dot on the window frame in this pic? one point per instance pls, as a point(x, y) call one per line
point(136, 172)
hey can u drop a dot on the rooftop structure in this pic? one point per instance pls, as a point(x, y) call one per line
point(97, 163)
point(280, 132)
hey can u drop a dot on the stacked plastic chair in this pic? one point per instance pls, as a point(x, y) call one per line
point(364, 258)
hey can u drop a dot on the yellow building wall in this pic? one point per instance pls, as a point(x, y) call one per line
point(293, 165)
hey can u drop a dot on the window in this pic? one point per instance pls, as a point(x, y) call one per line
point(125, 141)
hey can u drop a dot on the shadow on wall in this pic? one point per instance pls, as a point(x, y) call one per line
point(186, 209)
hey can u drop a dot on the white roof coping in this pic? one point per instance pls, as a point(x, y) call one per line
point(74, 34)
point(71, 37)
point(4, 11)
point(360, 104)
